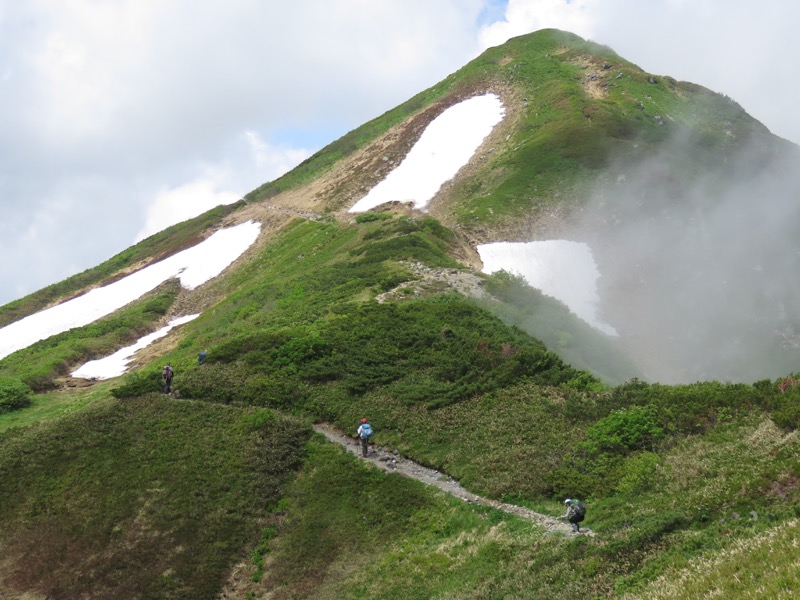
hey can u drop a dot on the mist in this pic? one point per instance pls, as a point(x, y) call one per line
point(698, 247)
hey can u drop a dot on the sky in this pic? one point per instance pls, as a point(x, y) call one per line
point(122, 117)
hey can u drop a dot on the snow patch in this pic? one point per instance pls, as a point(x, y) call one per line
point(561, 269)
point(116, 364)
point(445, 146)
point(193, 266)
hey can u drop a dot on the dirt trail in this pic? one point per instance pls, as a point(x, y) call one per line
point(389, 460)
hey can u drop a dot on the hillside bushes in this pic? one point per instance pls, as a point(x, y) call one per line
point(431, 352)
point(624, 430)
point(13, 394)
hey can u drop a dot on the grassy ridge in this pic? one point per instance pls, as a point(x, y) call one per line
point(307, 342)
point(148, 498)
point(288, 337)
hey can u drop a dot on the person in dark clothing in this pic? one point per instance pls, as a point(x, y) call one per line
point(201, 358)
point(166, 375)
point(575, 513)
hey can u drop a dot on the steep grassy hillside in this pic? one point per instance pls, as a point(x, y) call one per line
point(147, 498)
point(114, 490)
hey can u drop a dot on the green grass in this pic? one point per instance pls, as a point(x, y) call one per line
point(53, 405)
point(754, 566)
point(352, 532)
point(154, 496)
point(445, 382)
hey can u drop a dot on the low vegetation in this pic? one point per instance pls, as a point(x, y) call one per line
point(14, 394)
point(673, 475)
point(146, 498)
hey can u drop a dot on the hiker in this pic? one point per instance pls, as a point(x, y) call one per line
point(201, 358)
point(576, 512)
point(364, 432)
point(166, 375)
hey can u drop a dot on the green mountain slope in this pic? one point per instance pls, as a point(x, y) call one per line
point(688, 203)
point(112, 490)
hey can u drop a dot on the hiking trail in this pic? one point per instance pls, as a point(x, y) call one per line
point(390, 460)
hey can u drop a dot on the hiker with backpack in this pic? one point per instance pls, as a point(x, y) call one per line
point(576, 512)
point(364, 432)
point(166, 375)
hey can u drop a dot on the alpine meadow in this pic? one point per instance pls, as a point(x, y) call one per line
point(676, 424)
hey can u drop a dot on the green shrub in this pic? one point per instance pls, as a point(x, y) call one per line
point(369, 217)
point(139, 383)
point(786, 405)
point(221, 383)
point(639, 473)
point(633, 428)
point(13, 394)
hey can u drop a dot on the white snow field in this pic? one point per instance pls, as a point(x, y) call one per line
point(193, 266)
point(559, 268)
point(116, 364)
point(444, 147)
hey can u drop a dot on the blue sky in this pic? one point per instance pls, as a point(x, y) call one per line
point(123, 116)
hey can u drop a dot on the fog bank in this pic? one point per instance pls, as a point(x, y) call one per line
point(699, 255)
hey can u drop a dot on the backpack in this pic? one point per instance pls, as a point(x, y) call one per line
point(167, 373)
point(366, 431)
point(579, 512)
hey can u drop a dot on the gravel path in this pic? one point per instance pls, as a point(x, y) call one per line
point(389, 460)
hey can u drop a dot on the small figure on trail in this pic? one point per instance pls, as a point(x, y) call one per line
point(364, 432)
point(576, 512)
point(201, 358)
point(166, 375)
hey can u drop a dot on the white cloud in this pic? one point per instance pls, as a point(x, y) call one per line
point(184, 202)
point(248, 162)
point(525, 16)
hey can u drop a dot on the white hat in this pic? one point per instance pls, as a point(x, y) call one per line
point(568, 500)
